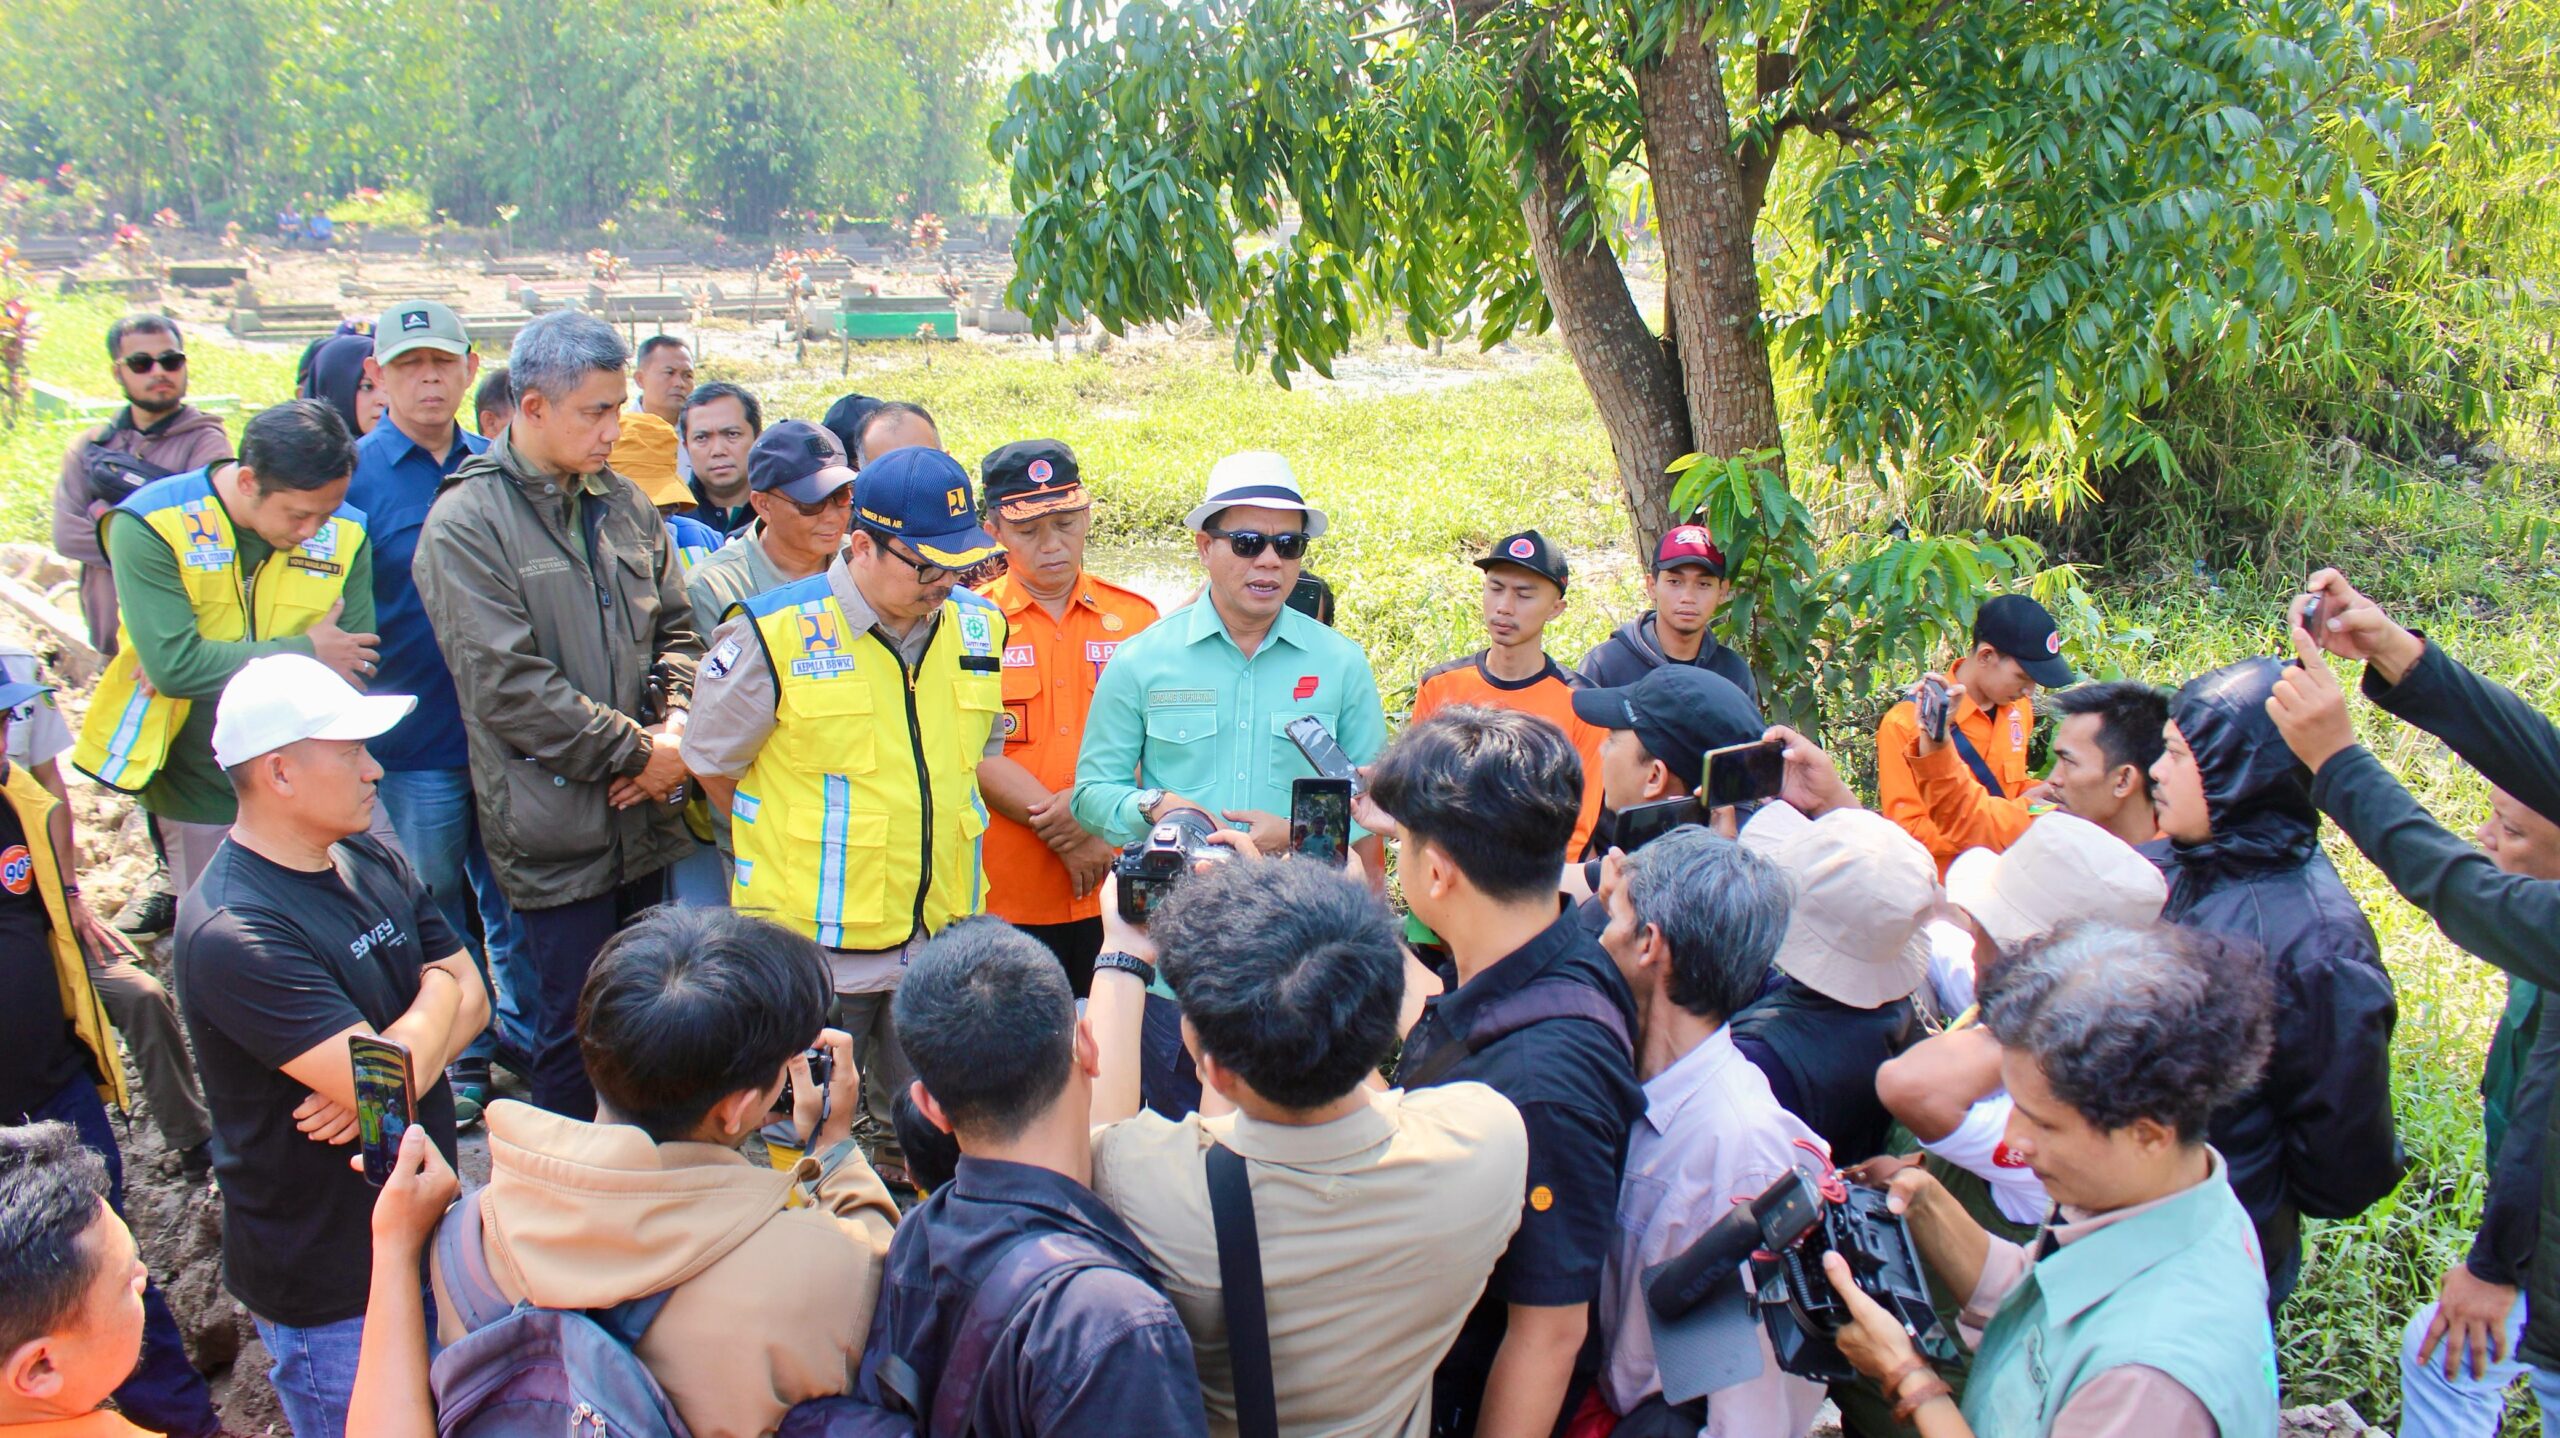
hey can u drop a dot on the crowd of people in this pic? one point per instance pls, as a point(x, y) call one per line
point(758, 794)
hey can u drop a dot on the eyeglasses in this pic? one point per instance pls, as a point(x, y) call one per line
point(170, 360)
point(1249, 543)
point(927, 572)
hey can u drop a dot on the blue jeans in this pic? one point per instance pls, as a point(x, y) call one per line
point(2433, 1406)
point(314, 1373)
point(700, 881)
point(432, 812)
point(165, 1391)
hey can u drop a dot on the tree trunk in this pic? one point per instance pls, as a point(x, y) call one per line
point(1706, 210)
point(1633, 380)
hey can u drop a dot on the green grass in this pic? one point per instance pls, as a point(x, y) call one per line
point(1417, 482)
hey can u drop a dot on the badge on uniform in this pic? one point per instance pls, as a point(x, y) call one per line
point(1113, 624)
point(323, 544)
point(1010, 724)
point(1020, 656)
point(976, 634)
point(205, 549)
point(1098, 652)
point(821, 645)
point(720, 661)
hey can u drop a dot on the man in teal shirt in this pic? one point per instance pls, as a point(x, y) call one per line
point(1193, 713)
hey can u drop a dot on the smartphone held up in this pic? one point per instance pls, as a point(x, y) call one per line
point(384, 1109)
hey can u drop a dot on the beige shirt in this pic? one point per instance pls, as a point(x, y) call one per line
point(1378, 1232)
point(2131, 1401)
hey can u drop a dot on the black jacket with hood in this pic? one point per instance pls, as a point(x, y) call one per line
point(1635, 651)
point(2316, 1137)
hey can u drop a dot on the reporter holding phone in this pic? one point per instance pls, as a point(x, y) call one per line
point(2017, 649)
point(306, 930)
point(2140, 1307)
point(1194, 713)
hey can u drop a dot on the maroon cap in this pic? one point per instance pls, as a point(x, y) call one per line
point(1689, 544)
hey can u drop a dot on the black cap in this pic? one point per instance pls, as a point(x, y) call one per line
point(2024, 630)
point(1528, 550)
point(1031, 477)
point(798, 461)
point(844, 418)
point(1678, 713)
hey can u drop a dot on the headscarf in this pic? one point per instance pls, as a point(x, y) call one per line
point(337, 370)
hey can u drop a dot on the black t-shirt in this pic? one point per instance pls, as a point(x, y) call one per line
point(1577, 1093)
point(273, 962)
point(39, 1054)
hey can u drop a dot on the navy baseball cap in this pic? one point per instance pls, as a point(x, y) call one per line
point(844, 418)
point(2024, 630)
point(924, 497)
point(799, 461)
point(1032, 477)
point(1528, 550)
point(1678, 713)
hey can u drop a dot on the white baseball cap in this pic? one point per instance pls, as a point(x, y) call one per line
point(1259, 478)
point(2062, 868)
point(282, 699)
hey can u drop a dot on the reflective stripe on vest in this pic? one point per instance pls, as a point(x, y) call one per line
point(125, 737)
point(867, 778)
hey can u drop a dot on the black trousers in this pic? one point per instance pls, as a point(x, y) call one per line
point(1075, 944)
point(563, 944)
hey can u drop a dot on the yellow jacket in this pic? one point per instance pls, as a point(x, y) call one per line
point(34, 804)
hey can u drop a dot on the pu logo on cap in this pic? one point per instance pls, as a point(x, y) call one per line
point(956, 499)
point(1040, 471)
point(1522, 549)
point(413, 320)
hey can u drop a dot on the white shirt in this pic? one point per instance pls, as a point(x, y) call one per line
point(36, 730)
point(1712, 1134)
point(1976, 1146)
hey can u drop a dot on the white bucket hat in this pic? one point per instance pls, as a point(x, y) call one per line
point(2061, 869)
point(1863, 890)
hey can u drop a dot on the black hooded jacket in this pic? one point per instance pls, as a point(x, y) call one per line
point(1634, 650)
point(2316, 1137)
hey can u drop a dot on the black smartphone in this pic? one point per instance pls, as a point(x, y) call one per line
point(1323, 750)
point(1936, 706)
point(383, 1109)
point(1641, 824)
point(2311, 617)
point(1745, 773)
point(1320, 818)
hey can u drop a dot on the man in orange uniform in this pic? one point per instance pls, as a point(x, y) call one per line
point(1524, 584)
point(1044, 870)
point(2017, 649)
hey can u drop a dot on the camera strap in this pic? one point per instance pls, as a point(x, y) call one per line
point(1240, 1291)
point(1972, 758)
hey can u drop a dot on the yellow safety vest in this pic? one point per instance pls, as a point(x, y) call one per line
point(126, 735)
point(80, 1004)
point(859, 822)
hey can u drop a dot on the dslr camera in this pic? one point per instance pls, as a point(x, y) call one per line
point(1150, 866)
point(1699, 1305)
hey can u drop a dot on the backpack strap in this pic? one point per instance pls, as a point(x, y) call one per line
point(1536, 1002)
point(462, 1259)
point(1240, 1291)
point(1030, 1264)
point(1973, 760)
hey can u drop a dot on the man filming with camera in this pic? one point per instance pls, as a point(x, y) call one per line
point(2140, 1307)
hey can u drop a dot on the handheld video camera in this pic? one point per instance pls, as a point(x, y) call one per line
point(1150, 866)
point(1701, 1314)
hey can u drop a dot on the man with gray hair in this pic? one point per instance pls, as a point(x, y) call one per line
point(1693, 922)
point(560, 610)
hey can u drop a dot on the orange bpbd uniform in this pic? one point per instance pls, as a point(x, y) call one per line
point(1050, 667)
point(1549, 695)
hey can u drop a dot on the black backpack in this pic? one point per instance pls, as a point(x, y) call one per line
point(114, 475)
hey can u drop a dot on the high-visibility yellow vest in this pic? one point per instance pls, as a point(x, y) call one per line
point(859, 822)
point(81, 1006)
point(125, 737)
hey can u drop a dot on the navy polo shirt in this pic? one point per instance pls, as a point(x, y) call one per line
point(1577, 1092)
point(396, 483)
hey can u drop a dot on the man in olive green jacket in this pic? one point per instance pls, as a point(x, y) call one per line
point(560, 610)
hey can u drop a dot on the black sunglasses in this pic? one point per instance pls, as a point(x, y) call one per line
point(170, 360)
point(1249, 543)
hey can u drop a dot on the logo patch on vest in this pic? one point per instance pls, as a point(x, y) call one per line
point(976, 634)
point(205, 549)
point(17, 869)
point(1020, 656)
point(309, 565)
point(821, 644)
point(323, 543)
point(1098, 652)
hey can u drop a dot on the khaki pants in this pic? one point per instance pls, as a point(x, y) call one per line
point(885, 1071)
point(148, 1022)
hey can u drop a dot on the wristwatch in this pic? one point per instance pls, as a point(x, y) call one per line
point(1126, 963)
point(1148, 799)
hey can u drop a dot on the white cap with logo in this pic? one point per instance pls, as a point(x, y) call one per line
point(282, 699)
